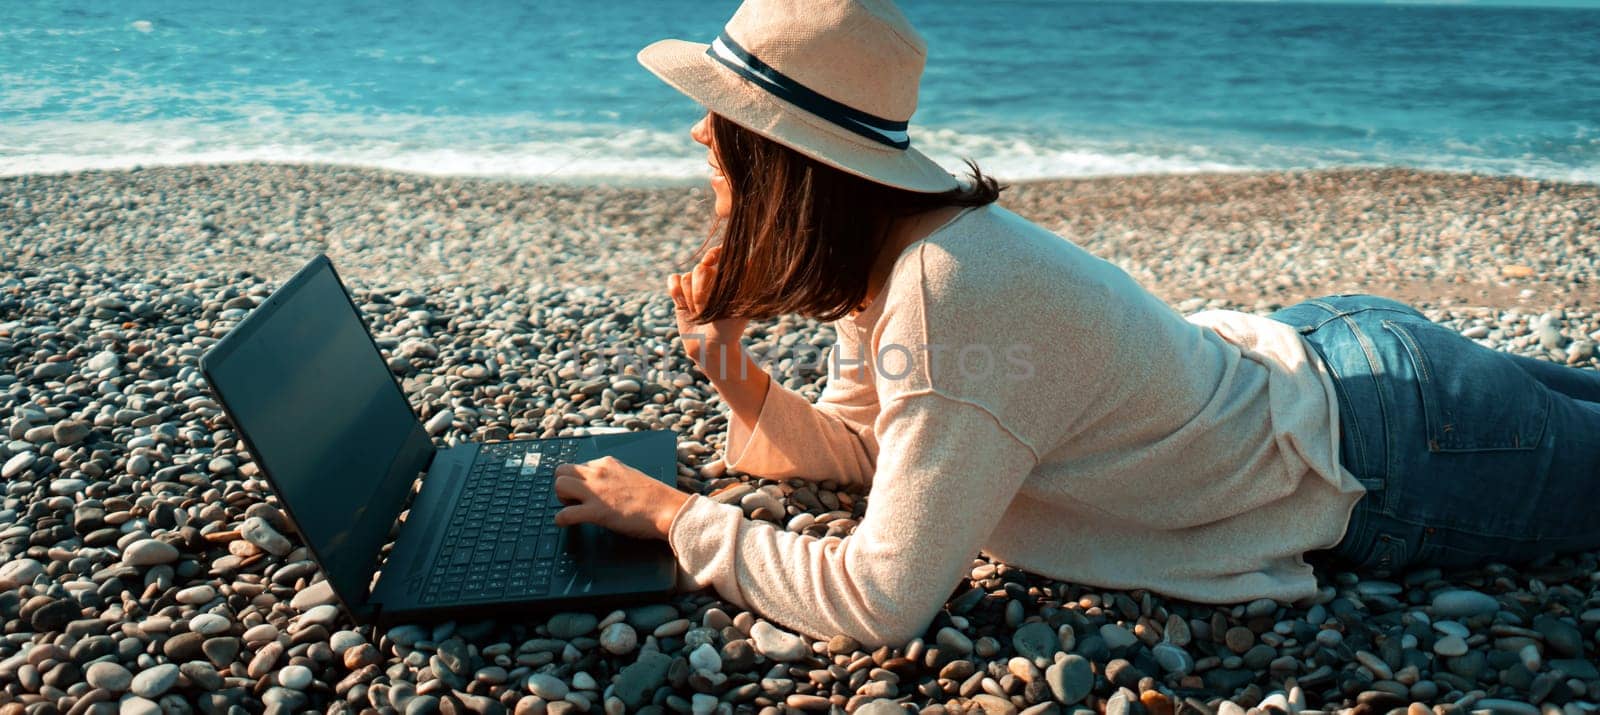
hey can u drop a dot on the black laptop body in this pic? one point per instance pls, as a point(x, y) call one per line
point(330, 428)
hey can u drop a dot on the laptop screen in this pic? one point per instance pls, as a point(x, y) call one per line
point(302, 379)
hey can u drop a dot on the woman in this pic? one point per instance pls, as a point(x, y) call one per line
point(996, 387)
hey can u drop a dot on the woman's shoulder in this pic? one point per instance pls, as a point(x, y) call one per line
point(987, 253)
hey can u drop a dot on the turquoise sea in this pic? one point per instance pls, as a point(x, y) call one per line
point(1030, 88)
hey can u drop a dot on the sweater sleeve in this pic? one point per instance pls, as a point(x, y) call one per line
point(792, 438)
point(947, 471)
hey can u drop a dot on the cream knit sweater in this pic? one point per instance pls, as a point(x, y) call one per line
point(1009, 392)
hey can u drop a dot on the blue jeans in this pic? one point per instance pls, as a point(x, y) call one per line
point(1468, 454)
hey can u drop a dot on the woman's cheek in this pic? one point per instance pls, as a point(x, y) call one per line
point(724, 195)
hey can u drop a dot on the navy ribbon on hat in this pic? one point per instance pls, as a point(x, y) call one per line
point(884, 131)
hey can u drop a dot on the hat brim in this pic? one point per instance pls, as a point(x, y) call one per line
point(687, 68)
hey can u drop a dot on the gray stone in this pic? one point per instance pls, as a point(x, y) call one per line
point(1070, 679)
point(221, 651)
point(1116, 636)
point(209, 624)
point(439, 422)
point(70, 432)
point(202, 675)
point(1463, 603)
point(152, 682)
point(650, 616)
point(110, 676)
point(571, 625)
point(138, 706)
point(103, 360)
point(639, 680)
point(453, 653)
point(17, 464)
point(19, 572)
point(1550, 337)
point(1173, 659)
point(1563, 638)
point(407, 635)
point(1035, 640)
point(547, 686)
point(1450, 646)
point(953, 641)
point(705, 658)
point(295, 677)
point(1579, 668)
point(1506, 707)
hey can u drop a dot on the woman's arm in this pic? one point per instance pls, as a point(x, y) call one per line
point(773, 431)
point(789, 437)
point(946, 473)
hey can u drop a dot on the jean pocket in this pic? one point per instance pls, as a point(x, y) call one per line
point(1389, 553)
point(1473, 398)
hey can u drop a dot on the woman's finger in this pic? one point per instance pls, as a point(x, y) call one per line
point(675, 289)
point(571, 489)
point(578, 514)
point(691, 294)
point(702, 285)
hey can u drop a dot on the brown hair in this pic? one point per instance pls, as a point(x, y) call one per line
point(802, 236)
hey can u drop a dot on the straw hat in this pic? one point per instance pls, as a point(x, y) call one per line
point(835, 80)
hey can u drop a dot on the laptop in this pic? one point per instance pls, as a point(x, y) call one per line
point(327, 423)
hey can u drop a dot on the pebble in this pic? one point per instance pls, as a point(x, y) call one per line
point(953, 641)
point(1116, 636)
point(639, 679)
point(571, 625)
point(1035, 640)
point(257, 531)
point(19, 572)
point(1239, 639)
point(705, 658)
point(197, 595)
point(1173, 659)
point(1070, 679)
point(547, 686)
point(619, 639)
point(135, 705)
point(149, 552)
point(650, 616)
point(209, 624)
point(1508, 707)
point(1463, 603)
point(17, 464)
point(110, 440)
point(1379, 669)
point(152, 682)
point(777, 644)
point(1450, 646)
point(295, 677)
point(109, 676)
point(317, 594)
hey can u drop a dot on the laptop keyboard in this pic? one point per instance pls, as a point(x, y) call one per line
point(501, 541)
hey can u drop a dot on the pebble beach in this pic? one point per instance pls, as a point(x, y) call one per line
point(146, 566)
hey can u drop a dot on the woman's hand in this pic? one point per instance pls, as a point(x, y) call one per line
point(616, 496)
point(713, 344)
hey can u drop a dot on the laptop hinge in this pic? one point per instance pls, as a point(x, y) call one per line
point(393, 494)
